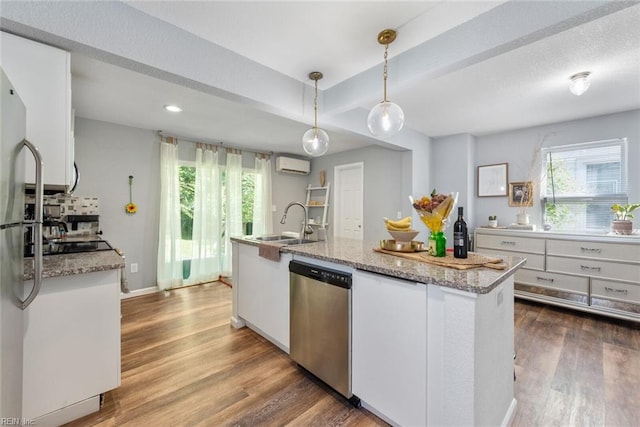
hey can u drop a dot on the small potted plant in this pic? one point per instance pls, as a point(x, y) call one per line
point(493, 221)
point(622, 224)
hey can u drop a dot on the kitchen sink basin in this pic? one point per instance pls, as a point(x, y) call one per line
point(272, 238)
point(296, 241)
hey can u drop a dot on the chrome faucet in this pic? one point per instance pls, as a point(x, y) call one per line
point(306, 227)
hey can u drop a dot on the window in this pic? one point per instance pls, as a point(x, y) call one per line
point(581, 182)
point(187, 198)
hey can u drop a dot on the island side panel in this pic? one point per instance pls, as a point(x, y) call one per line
point(236, 321)
point(470, 356)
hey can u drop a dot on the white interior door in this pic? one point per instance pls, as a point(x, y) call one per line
point(348, 203)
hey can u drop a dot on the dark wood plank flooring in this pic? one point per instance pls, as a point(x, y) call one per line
point(184, 365)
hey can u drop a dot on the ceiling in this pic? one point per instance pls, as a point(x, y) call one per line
point(473, 67)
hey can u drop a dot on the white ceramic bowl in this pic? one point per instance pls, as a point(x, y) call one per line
point(403, 236)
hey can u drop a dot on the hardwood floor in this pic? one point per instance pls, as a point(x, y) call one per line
point(184, 365)
point(575, 369)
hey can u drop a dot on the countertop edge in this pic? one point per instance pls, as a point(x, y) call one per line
point(403, 269)
point(74, 264)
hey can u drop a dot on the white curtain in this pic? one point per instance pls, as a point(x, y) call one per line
point(169, 270)
point(206, 261)
point(233, 219)
point(262, 215)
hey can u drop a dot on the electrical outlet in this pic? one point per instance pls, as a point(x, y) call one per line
point(399, 215)
point(134, 267)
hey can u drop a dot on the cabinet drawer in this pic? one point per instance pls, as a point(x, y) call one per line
point(594, 268)
point(561, 282)
point(534, 261)
point(594, 250)
point(626, 292)
point(510, 243)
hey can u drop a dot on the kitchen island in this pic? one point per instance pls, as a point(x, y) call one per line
point(430, 345)
point(72, 336)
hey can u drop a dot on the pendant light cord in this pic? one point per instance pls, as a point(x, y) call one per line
point(315, 106)
point(384, 73)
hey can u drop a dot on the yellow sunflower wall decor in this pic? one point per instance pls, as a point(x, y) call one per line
point(131, 207)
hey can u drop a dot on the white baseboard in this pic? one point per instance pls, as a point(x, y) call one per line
point(139, 292)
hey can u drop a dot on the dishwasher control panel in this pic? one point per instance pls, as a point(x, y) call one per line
point(322, 274)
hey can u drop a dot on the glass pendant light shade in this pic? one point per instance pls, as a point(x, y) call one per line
point(385, 119)
point(315, 142)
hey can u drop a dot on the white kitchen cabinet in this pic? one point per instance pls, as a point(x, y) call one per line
point(42, 76)
point(390, 346)
point(263, 294)
point(594, 273)
point(71, 346)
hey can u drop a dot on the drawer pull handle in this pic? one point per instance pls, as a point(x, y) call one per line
point(618, 291)
point(544, 279)
point(591, 250)
point(586, 267)
point(507, 242)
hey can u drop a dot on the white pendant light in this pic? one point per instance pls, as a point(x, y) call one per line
point(386, 118)
point(315, 141)
point(580, 82)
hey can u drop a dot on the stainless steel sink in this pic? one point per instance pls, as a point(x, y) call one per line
point(273, 238)
point(287, 240)
point(297, 241)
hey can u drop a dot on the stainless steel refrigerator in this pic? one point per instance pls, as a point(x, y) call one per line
point(12, 227)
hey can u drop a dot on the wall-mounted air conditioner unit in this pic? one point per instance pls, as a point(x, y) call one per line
point(290, 165)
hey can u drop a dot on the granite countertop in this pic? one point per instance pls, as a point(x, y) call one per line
point(77, 263)
point(360, 255)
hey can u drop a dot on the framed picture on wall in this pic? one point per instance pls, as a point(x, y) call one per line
point(521, 194)
point(492, 180)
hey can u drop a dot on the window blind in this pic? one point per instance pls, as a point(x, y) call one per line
point(582, 181)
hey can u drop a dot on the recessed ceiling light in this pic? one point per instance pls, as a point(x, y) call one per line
point(173, 108)
point(580, 82)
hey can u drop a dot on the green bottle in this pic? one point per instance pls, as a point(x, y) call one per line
point(441, 244)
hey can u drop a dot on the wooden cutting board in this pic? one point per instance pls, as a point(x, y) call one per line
point(473, 260)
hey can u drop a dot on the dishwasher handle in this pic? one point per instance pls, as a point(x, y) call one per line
point(321, 274)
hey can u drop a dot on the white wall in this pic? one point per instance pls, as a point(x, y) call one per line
point(517, 149)
point(106, 154)
point(386, 176)
point(453, 171)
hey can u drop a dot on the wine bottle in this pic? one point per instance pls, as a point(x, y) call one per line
point(460, 236)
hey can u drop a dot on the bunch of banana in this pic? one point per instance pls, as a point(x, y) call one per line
point(403, 224)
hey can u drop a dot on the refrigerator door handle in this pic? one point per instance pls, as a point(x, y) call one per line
point(37, 227)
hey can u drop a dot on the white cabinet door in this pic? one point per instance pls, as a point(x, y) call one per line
point(42, 76)
point(71, 341)
point(390, 346)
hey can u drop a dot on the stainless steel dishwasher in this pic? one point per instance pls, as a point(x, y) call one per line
point(320, 324)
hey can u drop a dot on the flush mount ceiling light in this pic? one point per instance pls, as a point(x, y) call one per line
point(315, 141)
point(386, 118)
point(580, 83)
point(173, 108)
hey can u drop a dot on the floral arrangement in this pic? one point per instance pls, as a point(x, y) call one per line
point(131, 207)
point(434, 211)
